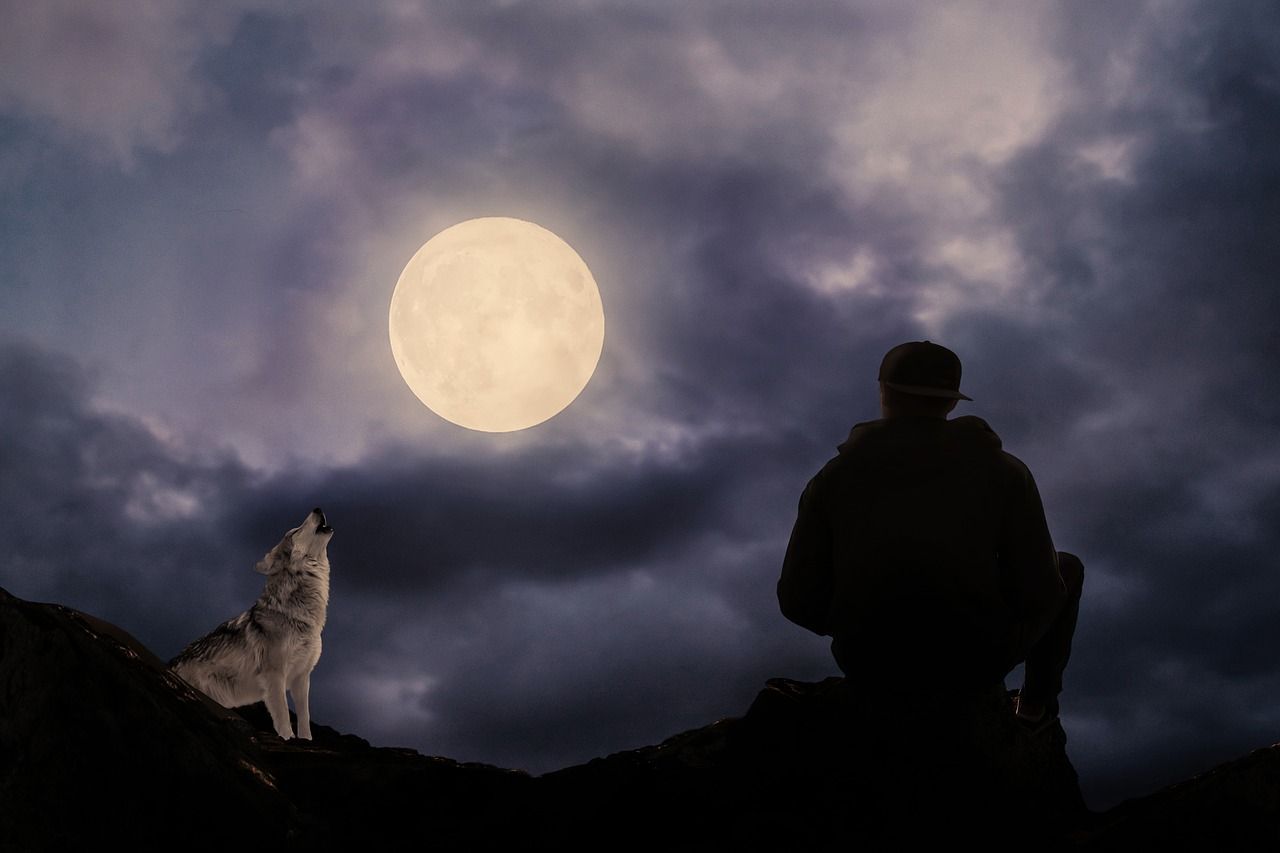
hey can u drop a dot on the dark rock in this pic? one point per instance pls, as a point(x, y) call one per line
point(100, 743)
point(350, 793)
point(816, 766)
point(1235, 806)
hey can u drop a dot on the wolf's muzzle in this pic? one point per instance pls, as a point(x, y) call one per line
point(324, 522)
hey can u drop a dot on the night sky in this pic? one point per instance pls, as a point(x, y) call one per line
point(205, 209)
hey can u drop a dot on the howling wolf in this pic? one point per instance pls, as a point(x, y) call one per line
point(275, 643)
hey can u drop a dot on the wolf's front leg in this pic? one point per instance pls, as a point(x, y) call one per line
point(277, 705)
point(301, 690)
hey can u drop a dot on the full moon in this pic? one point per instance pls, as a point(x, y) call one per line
point(496, 324)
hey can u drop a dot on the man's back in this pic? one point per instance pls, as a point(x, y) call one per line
point(922, 546)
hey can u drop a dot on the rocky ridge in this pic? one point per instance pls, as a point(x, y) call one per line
point(99, 742)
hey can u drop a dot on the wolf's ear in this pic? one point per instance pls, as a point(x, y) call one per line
point(275, 560)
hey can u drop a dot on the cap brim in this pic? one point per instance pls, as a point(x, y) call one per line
point(926, 391)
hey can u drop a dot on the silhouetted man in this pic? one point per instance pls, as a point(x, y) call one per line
point(922, 550)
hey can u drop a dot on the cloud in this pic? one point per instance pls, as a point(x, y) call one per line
point(705, 162)
point(116, 78)
point(99, 511)
point(659, 145)
point(541, 673)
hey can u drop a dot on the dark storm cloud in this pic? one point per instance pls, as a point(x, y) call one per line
point(408, 523)
point(260, 70)
point(97, 512)
point(415, 525)
point(650, 660)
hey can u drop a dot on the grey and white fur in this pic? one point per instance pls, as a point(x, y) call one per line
point(275, 644)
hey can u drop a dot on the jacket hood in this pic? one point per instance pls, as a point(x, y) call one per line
point(924, 438)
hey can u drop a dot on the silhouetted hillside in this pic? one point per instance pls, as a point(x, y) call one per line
point(98, 743)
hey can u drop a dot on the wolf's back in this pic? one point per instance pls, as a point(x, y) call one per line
point(228, 636)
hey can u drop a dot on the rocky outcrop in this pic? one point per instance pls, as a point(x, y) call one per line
point(1234, 806)
point(99, 742)
point(814, 766)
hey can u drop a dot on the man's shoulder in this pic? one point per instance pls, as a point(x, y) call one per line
point(859, 435)
point(967, 433)
point(1014, 466)
point(967, 440)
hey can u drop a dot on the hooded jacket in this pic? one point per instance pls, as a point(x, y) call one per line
point(923, 546)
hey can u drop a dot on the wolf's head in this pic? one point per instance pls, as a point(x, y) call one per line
point(308, 542)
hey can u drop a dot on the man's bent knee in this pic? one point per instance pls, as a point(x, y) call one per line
point(1072, 571)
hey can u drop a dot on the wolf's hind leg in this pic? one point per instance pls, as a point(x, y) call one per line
point(300, 687)
point(277, 705)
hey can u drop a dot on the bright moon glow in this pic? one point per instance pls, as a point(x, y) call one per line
point(496, 324)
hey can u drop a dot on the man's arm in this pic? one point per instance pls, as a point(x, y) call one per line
point(1033, 585)
point(805, 588)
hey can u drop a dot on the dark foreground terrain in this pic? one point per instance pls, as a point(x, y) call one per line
point(101, 747)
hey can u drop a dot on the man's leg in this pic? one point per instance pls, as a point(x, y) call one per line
point(1047, 659)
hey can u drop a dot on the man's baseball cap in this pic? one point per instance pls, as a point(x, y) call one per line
point(922, 368)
